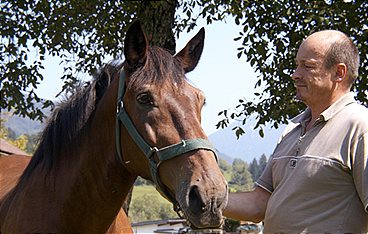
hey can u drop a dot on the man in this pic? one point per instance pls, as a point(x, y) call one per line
point(316, 181)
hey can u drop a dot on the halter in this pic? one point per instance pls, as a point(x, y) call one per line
point(162, 154)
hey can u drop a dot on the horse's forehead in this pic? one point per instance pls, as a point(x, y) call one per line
point(175, 87)
point(159, 85)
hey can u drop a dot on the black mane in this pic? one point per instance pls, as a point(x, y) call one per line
point(67, 122)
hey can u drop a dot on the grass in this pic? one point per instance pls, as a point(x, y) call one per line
point(148, 204)
point(141, 190)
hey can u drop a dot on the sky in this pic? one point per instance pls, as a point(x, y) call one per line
point(219, 74)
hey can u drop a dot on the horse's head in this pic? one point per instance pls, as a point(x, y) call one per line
point(165, 111)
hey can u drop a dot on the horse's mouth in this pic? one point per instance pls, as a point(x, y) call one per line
point(204, 213)
point(206, 220)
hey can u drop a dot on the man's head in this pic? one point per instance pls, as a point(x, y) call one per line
point(327, 65)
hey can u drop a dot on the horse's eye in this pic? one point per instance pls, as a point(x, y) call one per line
point(145, 99)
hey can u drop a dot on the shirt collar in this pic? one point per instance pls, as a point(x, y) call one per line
point(329, 112)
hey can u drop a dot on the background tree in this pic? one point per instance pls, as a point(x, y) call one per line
point(86, 33)
point(23, 142)
point(225, 167)
point(262, 162)
point(3, 130)
point(256, 167)
point(241, 179)
point(270, 35)
point(82, 33)
point(32, 141)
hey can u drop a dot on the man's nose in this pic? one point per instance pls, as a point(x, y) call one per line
point(295, 75)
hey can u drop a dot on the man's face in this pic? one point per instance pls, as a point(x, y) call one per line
point(313, 82)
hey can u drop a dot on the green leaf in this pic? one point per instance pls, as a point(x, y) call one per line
point(260, 132)
point(239, 131)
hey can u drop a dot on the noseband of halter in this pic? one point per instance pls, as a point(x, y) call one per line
point(162, 154)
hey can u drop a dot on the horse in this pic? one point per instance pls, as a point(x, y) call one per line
point(140, 117)
point(12, 167)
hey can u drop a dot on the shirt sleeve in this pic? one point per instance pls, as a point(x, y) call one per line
point(265, 180)
point(359, 153)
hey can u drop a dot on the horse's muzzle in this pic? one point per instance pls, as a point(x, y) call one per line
point(204, 206)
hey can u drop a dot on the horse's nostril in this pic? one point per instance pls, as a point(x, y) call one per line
point(196, 204)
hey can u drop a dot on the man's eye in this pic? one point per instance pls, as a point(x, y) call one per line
point(145, 99)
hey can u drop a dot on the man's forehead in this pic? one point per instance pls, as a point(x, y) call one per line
point(307, 60)
point(310, 52)
point(320, 42)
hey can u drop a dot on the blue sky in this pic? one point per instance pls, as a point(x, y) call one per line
point(220, 74)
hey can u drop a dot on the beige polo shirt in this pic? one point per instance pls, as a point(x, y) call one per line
point(319, 180)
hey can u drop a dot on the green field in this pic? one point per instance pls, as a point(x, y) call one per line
point(139, 191)
point(148, 204)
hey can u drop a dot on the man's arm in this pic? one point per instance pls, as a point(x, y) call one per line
point(247, 206)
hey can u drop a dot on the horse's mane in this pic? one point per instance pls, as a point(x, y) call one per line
point(68, 122)
point(159, 66)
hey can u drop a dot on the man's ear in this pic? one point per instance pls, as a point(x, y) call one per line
point(341, 72)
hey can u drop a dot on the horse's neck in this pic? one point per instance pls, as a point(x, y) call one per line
point(100, 180)
point(84, 199)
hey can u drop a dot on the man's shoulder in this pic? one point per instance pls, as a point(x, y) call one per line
point(356, 111)
point(354, 115)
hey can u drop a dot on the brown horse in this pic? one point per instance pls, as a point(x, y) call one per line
point(89, 156)
point(12, 167)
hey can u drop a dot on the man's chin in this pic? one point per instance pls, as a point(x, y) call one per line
point(298, 97)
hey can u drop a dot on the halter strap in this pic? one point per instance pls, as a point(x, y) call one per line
point(162, 154)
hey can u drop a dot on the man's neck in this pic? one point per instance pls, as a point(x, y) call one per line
point(321, 106)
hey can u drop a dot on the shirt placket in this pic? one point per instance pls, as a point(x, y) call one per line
point(303, 135)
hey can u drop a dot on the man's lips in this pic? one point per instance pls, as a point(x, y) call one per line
point(299, 85)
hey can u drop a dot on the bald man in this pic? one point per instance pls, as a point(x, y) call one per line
point(316, 180)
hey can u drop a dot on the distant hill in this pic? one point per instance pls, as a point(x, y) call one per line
point(224, 156)
point(250, 145)
point(21, 125)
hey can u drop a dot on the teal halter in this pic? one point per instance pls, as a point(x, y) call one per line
point(162, 154)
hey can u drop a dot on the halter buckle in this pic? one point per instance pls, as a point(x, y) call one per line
point(120, 106)
point(153, 151)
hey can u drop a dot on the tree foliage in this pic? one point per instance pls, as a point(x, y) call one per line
point(84, 34)
point(270, 35)
point(224, 166)
point(256, 167)
point(25, 142)
point(241, 178)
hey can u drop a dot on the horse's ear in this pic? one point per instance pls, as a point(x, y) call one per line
point(190, 55)
point(135, 45)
